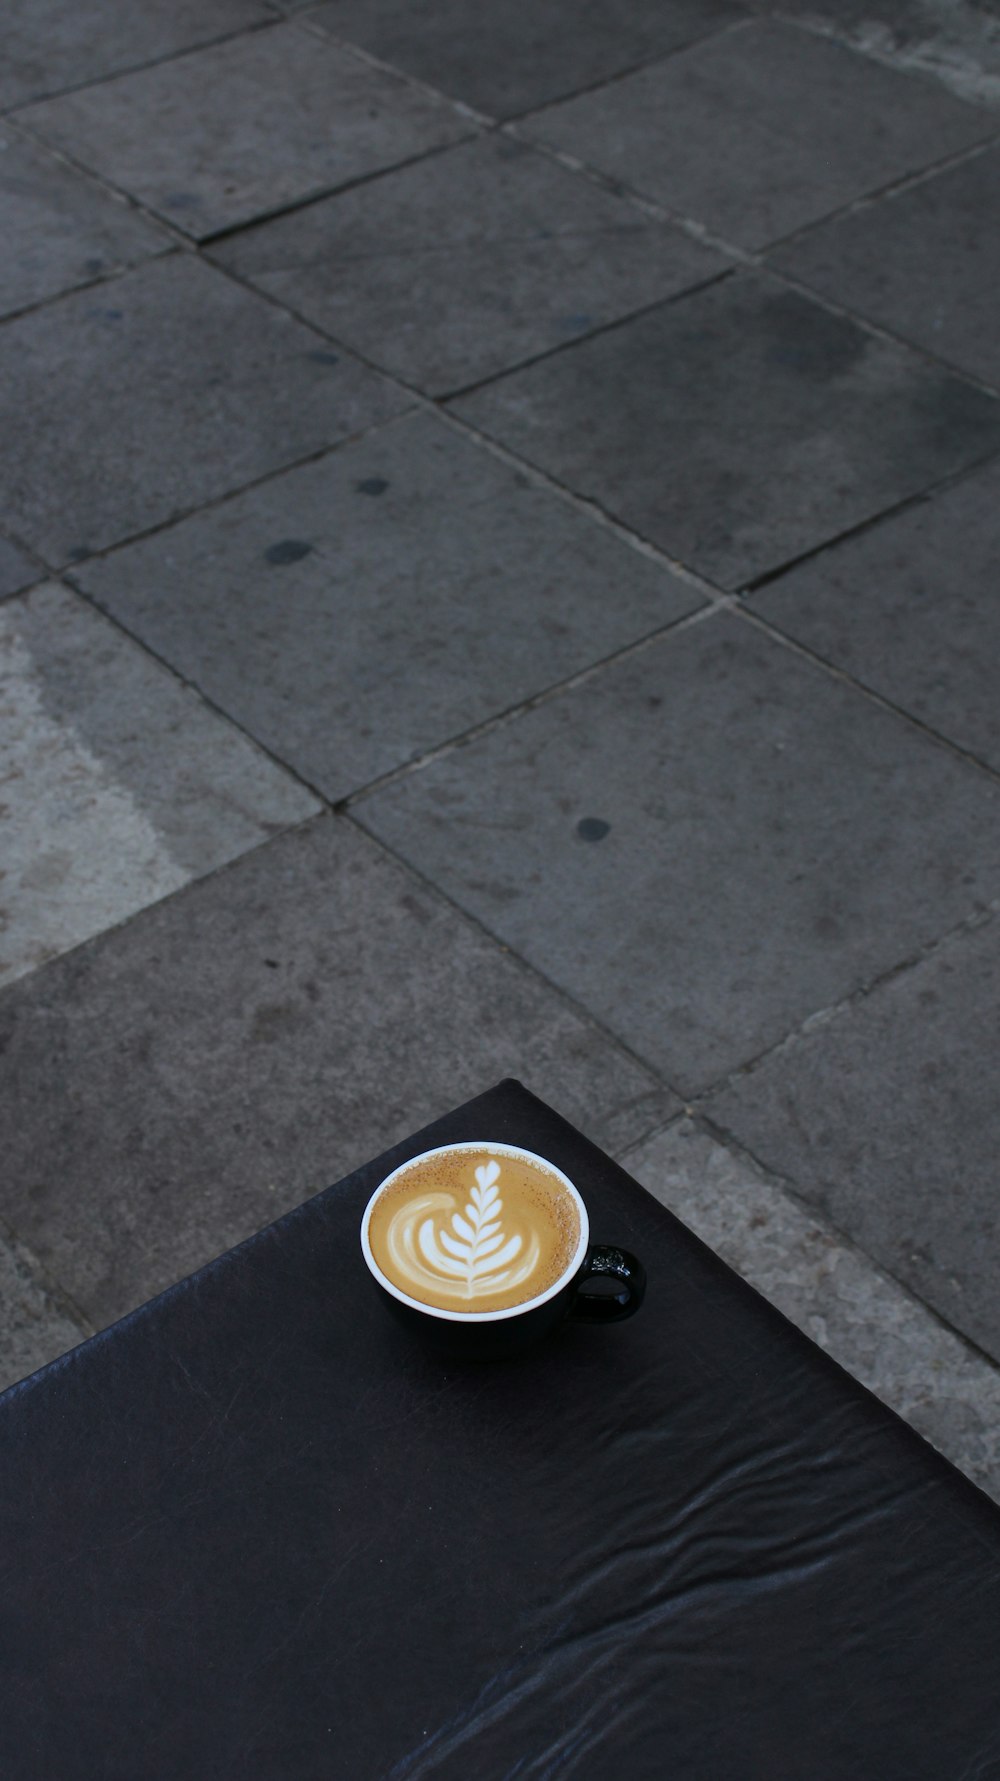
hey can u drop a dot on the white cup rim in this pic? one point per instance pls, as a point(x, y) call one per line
point(501, 1148)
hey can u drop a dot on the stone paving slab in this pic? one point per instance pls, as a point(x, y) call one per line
point(50, 44)
point(885, 1117)
point(954, 41)
point(35, 1326)
point(157, 392)
point(224, 134)
point(762, 129)
point(118, 784)
point(739, 426)
point(266, 1031)
point(17, 571)
point(467, 263)
point(59, 229)
point(479, 590)
point(910, 607)
point(704, 842)
point(827, 1287)
point(512, 58)
point(924, 263)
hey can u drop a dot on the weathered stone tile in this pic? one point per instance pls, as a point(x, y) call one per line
point(60, 230)
point(704, 842)
point(740, 426)
point(885, 1116)
point(231, 132)
point(954, 41)
point(829, 1288)
point(17, 571)
point(910, 608)
point(924, 263)
point(35, 1327)
point(51, 44)
point(265, 1032)
point(366, 607)
point(158, 392)
point(762, 129)
point(511, 58)
point(119, 786)
point(469, 262)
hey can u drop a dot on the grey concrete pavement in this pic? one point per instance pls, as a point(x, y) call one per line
point(919, 263)
point(210, 140)
point(17, 570)
point(50, 45)
point(120, 786)
point(885, 1116)
point(155, 392)
point(826, 1285)
point(764, 823)
point(509, 59)
point(265, 1033)
point(762, 129)
point(740, 426)
point(344, 689)
point(893, 608)
point(466, 263)
point(60, 229)
point(527, 605)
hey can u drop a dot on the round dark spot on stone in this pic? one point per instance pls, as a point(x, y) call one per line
point(287, 550)
point(272, 964)
point(78, 554)
point(93, 266)
point(323, 358)
point(372, 485)
point(592, 828)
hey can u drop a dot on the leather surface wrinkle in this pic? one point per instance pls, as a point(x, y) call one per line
point(254, 1532)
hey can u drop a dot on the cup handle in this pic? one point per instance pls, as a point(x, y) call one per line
point(624, 1279)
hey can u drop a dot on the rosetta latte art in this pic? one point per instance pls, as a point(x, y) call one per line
point(461, 1254)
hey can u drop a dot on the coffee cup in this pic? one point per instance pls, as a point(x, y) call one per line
point(482, 1248)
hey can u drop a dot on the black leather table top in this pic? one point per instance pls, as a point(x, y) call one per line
point(253, 1531)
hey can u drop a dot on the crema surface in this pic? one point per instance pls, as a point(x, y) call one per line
point(474, 1230)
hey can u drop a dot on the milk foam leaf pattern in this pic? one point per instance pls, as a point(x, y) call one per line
point(475, 1248)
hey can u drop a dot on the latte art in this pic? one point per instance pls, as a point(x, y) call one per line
point(474, 1230)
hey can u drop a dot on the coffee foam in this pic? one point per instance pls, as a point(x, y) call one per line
point(474, 1231)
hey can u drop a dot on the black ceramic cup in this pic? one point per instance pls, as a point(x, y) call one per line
point(601, 1284)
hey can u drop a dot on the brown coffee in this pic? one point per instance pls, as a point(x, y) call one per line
point(474, 1230)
